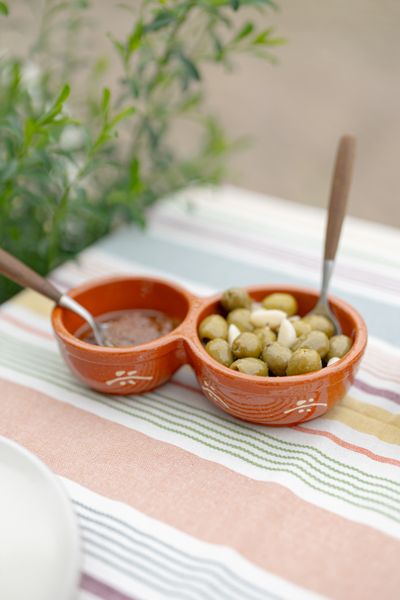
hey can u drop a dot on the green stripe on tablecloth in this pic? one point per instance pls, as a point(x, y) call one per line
point(209, 567)
point(162, 418)
point(220, 272)
point(50, 364)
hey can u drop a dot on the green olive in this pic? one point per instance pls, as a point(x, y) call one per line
point(250, 366)
point(304, 360)
point(320, 323)
point(281, 301)
point(213, 326)
point(219, 349)
point(277, 358)
point(241, 318)
point(265, 335)
point(235, 298)
point(298, 343)
point(301, 327)
point(339, 345)
point(317, 340)
point(246, 344)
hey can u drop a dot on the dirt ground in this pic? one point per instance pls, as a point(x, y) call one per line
point(339, 72)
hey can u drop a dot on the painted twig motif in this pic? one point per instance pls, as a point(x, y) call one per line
point(210, 392)
point(304, 406)
point(127, 378)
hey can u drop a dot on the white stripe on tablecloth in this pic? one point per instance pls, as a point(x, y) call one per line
point(187, 377)
point(241, 252)
point(142, 406)
point(386, 381)
point(150, 558)
point(370, 241)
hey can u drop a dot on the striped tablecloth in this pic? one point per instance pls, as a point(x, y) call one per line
point(174, 498)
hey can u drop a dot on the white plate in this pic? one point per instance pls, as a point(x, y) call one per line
point(39, 541)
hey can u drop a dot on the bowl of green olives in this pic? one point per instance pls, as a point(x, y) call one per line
point(261, 357)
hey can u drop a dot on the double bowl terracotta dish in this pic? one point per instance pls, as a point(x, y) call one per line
point(137, 369)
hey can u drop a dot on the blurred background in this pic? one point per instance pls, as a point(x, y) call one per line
point(337, 73)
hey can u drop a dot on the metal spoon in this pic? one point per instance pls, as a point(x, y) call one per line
point(16, 270)
point(340, 188)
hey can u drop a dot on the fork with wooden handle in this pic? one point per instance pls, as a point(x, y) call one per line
point(340, 188)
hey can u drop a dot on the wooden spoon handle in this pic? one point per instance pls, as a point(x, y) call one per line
point(16, 270)
point(340, 188)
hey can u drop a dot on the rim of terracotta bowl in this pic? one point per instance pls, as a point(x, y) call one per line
point(356, 351)
point(71, 340)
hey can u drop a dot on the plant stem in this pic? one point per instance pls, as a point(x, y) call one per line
point(170, 43)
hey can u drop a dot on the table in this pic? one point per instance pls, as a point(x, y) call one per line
point(174, 498)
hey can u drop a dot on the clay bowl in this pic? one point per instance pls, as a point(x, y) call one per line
point(136, 369)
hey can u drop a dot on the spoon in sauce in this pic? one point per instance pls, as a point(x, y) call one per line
point(340, 188)
point(16, 270)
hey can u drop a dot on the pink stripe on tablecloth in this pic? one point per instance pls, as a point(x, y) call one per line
point(23, 325)
point(300, 542)
point(101, 589)
point(370, 389)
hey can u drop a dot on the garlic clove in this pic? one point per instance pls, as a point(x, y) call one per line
point(287, 334)
point(332, 361)
point(262, 317)
point(233, 332)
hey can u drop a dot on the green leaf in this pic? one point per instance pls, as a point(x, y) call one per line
point(4, 9)
point(190, 102)
point(161, 20)
point(55, 110)
point(30, 129)
point(105, 102)
point(264, 38)
point(190, 68)
point(134, 39)
point(135, 182)
point(218, 47)
point(235, 4)
point(244, 32)
point(119, 46)
point(124, 114)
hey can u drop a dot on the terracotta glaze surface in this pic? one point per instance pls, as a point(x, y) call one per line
point(136, 369)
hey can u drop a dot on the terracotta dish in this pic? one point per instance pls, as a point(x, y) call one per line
point(137, 369)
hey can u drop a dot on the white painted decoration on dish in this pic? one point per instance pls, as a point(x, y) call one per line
point(304, 406)
point(123, 378)
point(210, 392)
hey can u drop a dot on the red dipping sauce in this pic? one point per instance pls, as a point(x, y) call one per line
point(130, 327)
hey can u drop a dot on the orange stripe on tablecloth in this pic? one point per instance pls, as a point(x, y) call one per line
point(265, 522)
point(347, 445)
